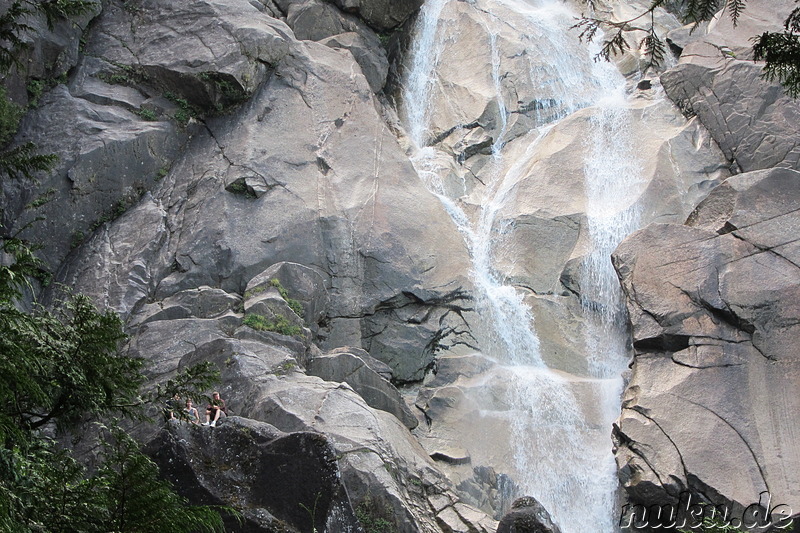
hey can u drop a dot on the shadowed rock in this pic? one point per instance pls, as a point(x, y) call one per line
point(276, 479)
point(527, 516)
point(376, 390)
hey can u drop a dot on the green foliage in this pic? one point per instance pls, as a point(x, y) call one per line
point(225, 90)
point(60, 367)
point(295, 305)
point(185, 110)
point(240, 187)
point(114, 212)
point(189, 383)
point(54, 10)
point(42, 199)
point(10, 115)
point(35, 89)
point(779, 50)
point(45, 489)
point(123, 74)
point(712, 524)
point(374, 517)
point(24, 162)
point(137, 500)
point(77, 239)
point(279, 325)
point(13, 26)
point(147, 114)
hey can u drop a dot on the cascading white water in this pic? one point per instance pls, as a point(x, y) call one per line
point(561, 457)
point(424, 60)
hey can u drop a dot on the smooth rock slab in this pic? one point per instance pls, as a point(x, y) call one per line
point(375, 389)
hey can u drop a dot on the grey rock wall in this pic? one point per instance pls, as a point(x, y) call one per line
point(713, 305)
point(206, 150)
point(711, 410)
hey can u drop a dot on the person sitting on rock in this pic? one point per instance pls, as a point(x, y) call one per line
point(191, 413)
point(172, 405)
point(215, 410)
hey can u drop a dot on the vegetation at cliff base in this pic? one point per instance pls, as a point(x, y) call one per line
point(60, 370)
point(779, 50)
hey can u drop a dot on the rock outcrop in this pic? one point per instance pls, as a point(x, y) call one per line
point(279, 481)
point(753, 121)
point(355, 225)
point(527, 516)
point(359, 370)
point(235, 194)
point(232, 181)
point(709, 409)
point(713, 305)
point(384, 471)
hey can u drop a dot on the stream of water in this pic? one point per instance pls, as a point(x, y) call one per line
point(562, 446)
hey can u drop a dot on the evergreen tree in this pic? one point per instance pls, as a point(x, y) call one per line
point(779, 50)
point(59, 369)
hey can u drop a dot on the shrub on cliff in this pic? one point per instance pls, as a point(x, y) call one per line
point(59, 369)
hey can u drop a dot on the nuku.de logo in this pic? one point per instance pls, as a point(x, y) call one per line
point(688, 515)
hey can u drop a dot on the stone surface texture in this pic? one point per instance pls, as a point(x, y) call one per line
point(527, 516)
point(713, 306)
point(713, 302)
point(226, 158)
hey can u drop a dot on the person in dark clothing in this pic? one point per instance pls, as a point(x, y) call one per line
point(172, 405)
point(215, 410)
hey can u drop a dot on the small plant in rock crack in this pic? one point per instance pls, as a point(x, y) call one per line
point(280, 324)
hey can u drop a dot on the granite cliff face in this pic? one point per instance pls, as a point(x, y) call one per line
point(209, 147)
point(710, 408)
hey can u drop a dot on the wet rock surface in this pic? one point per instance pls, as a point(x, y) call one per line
point(209, 147)
point(527, 516)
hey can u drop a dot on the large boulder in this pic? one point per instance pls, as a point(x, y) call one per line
point(382, 15)
point(317, 20)
point(714, 311)
point(213, 53)
point(527, 516)
point(277, 480)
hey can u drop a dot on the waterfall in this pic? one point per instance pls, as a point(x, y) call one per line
point(562, 447)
